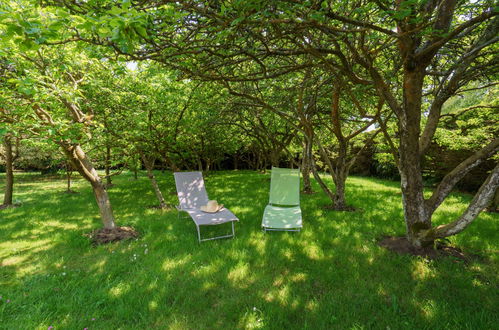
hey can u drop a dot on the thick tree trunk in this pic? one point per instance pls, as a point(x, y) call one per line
point(9, 171)
point(416, 218)
point(84, 166)
point(150, 174)
point(105, 209)
point(494, 204)
point(339, 193)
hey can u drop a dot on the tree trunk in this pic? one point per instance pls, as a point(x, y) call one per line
point(416, 218)
point(236, 161)
point(305, 166)
point(9, 171)
point(150, 174)
point(479, 202)
point(274, 157)
point(68, 175)
point(339, 193)
point(494, 204)
point(200, 164)
point(84, 166)
point(105, 209)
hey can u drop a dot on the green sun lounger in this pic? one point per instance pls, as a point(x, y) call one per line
point(283, 211)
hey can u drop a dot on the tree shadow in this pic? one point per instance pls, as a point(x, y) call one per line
point(330, 275)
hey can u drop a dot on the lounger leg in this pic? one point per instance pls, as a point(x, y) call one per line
point(199, 234)
point(232, 229)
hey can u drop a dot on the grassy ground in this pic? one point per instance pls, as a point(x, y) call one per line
point(331, 275)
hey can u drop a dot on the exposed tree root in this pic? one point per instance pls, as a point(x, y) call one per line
point(70, 192)
point(345, 208)
point(104, 236)
point(9, 206)
point(401, 245)
point(308, 192)
point(166, 207)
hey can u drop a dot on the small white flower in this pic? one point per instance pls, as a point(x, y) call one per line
point(145, 252)
point(63, 274)
point(254, 309)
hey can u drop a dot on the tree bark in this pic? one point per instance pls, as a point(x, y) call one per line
point(236, 161)
point(150, 174)
point(84, 166)
point(340, 179)
point(105, 209)
point(479, 202)
point(68, 175)
point(416, 217)
point(494, 204)
point(306, 166)
point(9, 170)
point(200, 164)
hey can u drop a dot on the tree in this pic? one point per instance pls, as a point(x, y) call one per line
point(47, 81)
point(415, 54)
point(412, 53)
point(9, 118)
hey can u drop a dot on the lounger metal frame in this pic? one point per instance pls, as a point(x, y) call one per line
point(180, 210)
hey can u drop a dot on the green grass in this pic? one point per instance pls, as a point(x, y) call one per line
point(331, 275)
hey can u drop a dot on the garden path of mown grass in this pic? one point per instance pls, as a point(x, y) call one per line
point(331, 275)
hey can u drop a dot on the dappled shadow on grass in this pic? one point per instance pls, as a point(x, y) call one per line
point(330, 275)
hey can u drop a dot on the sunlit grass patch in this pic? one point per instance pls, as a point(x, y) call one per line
point(330, 275)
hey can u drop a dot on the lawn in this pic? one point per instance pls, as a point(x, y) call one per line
point(330, 275)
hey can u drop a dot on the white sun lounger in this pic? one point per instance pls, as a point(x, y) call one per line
point(192, 195)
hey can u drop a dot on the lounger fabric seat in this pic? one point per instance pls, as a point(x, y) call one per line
point(202, 218)
point(192, 195)
point(282, 217)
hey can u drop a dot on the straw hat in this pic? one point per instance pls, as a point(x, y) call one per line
point(211, 207)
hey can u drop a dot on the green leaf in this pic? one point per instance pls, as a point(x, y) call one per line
point(141, 30)
point(115, 11)
point(237, 20)
point(126, 4)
